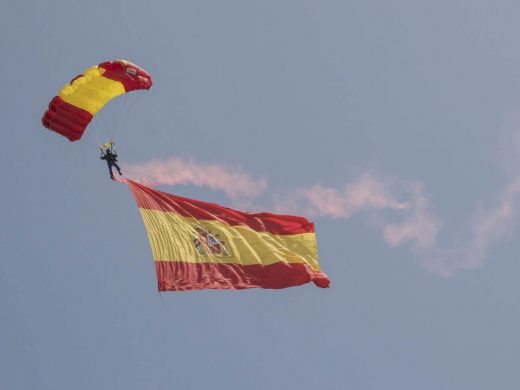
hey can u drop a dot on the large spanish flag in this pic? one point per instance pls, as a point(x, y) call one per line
point(198, 245)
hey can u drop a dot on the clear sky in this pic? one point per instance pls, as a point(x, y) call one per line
point(392, 124)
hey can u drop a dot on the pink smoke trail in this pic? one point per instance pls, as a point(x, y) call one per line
point(236, 183)
point(371, 193)
point(486, 228)
point(420, 227)
point(367, 192)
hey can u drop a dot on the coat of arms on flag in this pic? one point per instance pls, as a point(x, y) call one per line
point(208, 243)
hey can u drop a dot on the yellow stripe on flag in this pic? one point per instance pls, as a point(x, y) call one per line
point(184, 239)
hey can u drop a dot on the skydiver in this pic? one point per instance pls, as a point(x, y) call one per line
point(111, 158)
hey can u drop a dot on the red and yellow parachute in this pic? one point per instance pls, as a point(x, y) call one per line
point(79, 101)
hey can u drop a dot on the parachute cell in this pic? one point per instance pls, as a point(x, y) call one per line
point(79, 101)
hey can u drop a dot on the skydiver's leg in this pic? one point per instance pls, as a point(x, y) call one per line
point(118, 169)
point(110, 169)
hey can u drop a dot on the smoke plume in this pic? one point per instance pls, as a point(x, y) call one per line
point(234, 182)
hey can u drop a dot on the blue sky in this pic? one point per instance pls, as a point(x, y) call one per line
point(423, 97)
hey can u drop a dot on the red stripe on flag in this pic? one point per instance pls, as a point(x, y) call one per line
point(148, 198)
point(182, 276)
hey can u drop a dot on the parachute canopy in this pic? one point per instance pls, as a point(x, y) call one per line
point(79, 101)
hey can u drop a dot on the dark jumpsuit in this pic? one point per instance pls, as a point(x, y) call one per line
point(111, 158)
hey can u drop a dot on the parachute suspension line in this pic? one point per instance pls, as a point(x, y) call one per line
point(112, 118)
point(121, 108)
point(90, 142)
point(125, 106)
point(134, 100)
